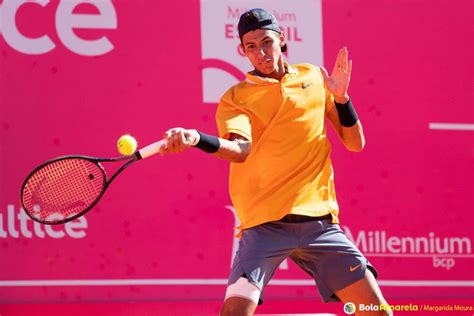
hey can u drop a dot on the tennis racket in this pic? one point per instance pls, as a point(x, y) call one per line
point(65, 188)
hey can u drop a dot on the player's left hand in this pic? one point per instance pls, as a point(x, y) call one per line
point(338, 82)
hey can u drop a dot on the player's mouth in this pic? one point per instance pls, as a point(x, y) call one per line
point(267, 63)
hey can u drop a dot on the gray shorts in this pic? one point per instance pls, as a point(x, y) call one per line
point(319, 247)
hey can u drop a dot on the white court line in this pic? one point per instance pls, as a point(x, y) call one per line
point(452, 126)
point(128, 282)
point(418, 255)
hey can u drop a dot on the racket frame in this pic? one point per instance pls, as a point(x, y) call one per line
point(105, 184)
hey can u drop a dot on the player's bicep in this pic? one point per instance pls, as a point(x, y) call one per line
point(231, 120)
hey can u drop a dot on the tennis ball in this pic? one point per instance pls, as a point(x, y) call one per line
point(126, 144)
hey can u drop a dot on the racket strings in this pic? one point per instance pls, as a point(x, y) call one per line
point(63, 189)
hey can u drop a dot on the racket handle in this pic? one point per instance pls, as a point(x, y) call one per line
point(151, 149)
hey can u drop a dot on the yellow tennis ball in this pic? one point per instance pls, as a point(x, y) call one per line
point(126, 144)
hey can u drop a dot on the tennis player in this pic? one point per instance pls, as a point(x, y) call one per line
point(272, 130)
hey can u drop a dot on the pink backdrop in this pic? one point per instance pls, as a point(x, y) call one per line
point(164, 230)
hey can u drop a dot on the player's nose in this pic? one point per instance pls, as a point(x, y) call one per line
point(260, 52)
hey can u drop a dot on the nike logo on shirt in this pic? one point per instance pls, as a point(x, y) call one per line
point(352, 269)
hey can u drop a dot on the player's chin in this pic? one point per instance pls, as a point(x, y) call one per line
point(266, 70)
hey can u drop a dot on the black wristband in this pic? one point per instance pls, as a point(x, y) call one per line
point(347, 114)
point(208, 143)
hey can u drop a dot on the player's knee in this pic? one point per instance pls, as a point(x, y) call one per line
point(241, 298)
point(236, 306)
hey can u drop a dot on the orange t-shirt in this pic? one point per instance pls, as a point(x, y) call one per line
point(289, 168)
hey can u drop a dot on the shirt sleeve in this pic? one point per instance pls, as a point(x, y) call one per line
point(231, 119)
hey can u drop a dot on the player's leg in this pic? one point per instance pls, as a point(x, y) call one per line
point(340, 270)
point(241, 298)
point(364, 291)
point(261, 250)
point(237, 306)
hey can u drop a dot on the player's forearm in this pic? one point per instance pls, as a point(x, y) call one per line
point(353, 137)
point(178, 139)
point(351, 131)
point(233, 150)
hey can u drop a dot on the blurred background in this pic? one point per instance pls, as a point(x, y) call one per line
point(75, 75)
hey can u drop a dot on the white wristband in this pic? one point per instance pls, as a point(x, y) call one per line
point(197, 138)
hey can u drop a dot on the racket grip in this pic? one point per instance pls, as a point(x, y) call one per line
point(151, 149)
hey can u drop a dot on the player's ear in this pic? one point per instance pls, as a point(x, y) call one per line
point(282, 38)
point(242, 47)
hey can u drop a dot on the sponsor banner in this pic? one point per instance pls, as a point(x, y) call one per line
point(224, 62)
point(66, 20)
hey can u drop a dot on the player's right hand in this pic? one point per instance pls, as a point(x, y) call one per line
point(178, 140)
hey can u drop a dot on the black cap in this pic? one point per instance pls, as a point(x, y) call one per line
point(258, 18)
